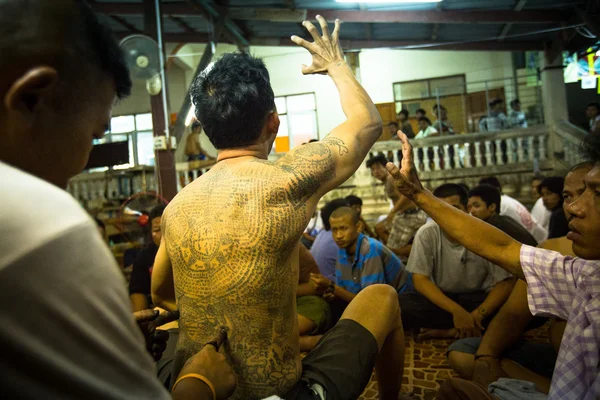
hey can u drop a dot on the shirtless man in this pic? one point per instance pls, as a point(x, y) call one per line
point(231, 238)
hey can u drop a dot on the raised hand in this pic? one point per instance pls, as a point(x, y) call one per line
point(148, 321)
point(406, 178)
point(325, 50)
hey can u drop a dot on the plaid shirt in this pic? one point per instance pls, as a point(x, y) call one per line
point(517, 119)
point(568, 288)
point(494, 123)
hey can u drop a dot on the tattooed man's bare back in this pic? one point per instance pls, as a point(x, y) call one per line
point(230, 239)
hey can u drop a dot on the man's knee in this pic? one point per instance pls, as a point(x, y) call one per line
point(461, 363)
point(383, 299)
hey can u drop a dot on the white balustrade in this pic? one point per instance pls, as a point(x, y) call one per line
point(488, 153)
point(436, 157)
point(499, 158)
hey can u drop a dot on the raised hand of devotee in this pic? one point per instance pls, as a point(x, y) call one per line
point(320, 283)
point(406, 178)
point(208, 363)
point(148, 321)
point(487, 370)
point(325, 50)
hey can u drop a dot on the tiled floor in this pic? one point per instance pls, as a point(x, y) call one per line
point(426, 366)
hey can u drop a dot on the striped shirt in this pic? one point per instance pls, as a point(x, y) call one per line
point(371, 264)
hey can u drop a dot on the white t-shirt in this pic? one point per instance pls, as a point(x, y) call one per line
point(514, 209)
point(66, 327)
point(541, 214)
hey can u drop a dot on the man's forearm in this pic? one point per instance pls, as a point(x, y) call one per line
point(434, 294)
point(305, 289)
point(496, 297)
point(343, 294)
point(474, 234)
point(508, 325)
point(192, 389)
point(402, 205)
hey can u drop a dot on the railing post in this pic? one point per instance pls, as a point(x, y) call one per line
point(426, 160)
point(488, 153)
point(530, 148)
point(468, 163)
point(499, 159)
point(478, 155)
point(511, 152)
point(542, 148)
point(447, 159)
point(520, 152)
point(416, 159)
point(436, 157)
point(456, 156)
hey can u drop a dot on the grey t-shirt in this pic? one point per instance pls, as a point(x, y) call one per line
point(450, 266)
point(66, 327)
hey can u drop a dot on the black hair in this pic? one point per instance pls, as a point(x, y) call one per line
point(405, 112)
point(492, 181)
point(594, 104)
point(345, 211)
point(537, 177)
point(422, 111)
point(489, 194)
point(435, 107)
point(313, 140)
point(72, 39)
point(196, 125)
point(554, 184)
point(329, 208)
point(392, 123)
point(452, 189)
point(354, 200)
point(425, 119)
point(378, 159)
point(493, 102)
point(233, 100)
point(100, 223)
point(464, 186)
point(590, 148)
point(515, 102)
point(157, 212)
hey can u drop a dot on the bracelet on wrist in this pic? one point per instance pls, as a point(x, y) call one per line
point(199, 377)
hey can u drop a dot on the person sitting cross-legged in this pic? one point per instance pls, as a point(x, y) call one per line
point(454, 288)
point(362, 261)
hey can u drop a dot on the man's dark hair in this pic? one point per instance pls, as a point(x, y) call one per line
point(354, 200)
point(492, 181)
point(494, 102)
point(489, 194)
point(405, 112)
point(313, 140)
point(537, 177)
point(393, 123)
point(196, 125)
point(435, 107)
point(378, 159)
point(464, 186)
point(425, 119)
point(590, 148)
point(71, 40)
point(329, 208)
point(554, 184)
point(422, 111)
point(515, 102)
point(233, 100)
point(594, 104)
point(157, 212)
point(452, 189)
point(345, 212)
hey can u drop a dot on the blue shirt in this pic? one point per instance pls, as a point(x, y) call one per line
point(324, 250)
point(372, 263)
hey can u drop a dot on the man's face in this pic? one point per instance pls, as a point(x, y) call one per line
point(479, 209)
point(393, 129)
point(345, 233)
point(423, 125)
point(419, 114)
point(591, 112)
point(516, 106)
point(379, 172)
point(584, 217)
point(156, 233)
point(574, 187)
point(49, 132)
point(535, 184)
point(551, 200)
point(454, 201)
point(357, 208)
point(401, 117)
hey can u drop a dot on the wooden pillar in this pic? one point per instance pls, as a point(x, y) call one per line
point(166, 174)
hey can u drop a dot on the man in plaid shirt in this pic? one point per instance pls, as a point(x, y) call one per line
point(560, 286)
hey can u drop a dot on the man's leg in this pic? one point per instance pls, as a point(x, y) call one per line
point(377, 309)
point(461, 356)
point(418, 312)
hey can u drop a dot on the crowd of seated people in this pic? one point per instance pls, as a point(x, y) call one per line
point(229, 263)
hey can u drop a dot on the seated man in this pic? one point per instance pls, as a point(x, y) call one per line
point(362, 261)
point(564, 287)
point(454, 287)
point(356, 203)
point(484, 203)
point(139, 285)
point(324, 249)
point(231, 237)
point(313, 310)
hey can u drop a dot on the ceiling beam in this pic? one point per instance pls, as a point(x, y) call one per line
point(126, 24)
point(182, 24)
point(298, 15)
point(506, 28)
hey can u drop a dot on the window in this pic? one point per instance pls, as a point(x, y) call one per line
point(137, 130)
point(298, 121)
point(428, 88)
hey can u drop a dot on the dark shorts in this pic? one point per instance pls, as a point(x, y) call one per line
point(537, 357)
point(341, 363)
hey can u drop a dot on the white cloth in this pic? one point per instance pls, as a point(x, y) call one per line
point(66, 327)
point(427, 132)
point(541, 214)
point(514, 209)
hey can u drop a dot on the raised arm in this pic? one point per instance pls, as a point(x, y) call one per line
point(341, 153)
point(474, 234)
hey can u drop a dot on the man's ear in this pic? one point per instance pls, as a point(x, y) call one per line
point(273, 123)
point(26, 93)
point(492, 208)
point(359, 227)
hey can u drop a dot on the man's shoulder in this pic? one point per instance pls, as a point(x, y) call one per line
point(430, 229)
